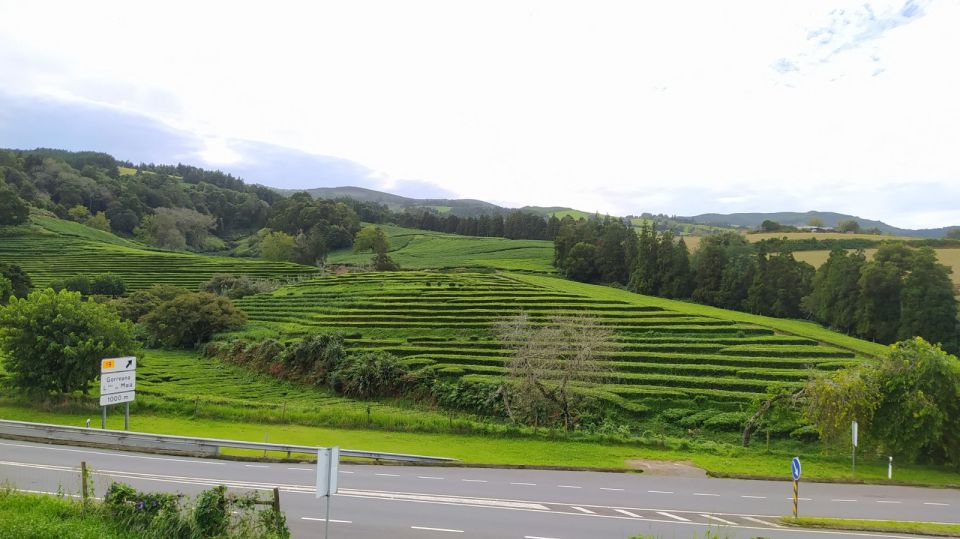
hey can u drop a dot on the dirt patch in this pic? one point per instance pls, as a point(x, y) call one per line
point(667, 467)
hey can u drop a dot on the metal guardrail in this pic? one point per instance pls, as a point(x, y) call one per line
point(208, 447)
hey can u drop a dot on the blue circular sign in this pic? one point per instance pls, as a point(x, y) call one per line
point(795, 468)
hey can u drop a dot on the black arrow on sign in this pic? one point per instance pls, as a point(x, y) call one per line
point(129, 362)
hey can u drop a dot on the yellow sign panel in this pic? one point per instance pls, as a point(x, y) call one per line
point(108, 364)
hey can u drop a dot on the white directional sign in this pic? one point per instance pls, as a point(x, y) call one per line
point(328, 461)
point(118, 380)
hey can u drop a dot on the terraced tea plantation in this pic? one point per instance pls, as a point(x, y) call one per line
point(47, 255)
point(663, 358)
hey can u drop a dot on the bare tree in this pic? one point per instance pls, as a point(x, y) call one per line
point(549, 362)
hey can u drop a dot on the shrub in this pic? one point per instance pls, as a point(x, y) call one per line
point(141, 302)
point(371, 374)
point(191, 319)
point(105, 284)
point(236, 287)
point(318, 354)
point(19, 279)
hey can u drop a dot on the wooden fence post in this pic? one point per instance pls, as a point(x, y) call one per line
point(276, 499)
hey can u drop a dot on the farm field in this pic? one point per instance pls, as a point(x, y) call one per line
point(51, 249)
point(947, 257)
point(664, 357)
point(419, 249)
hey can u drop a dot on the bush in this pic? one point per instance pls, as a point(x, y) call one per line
point(236, 287)
point(371, 374)
point(54, 341)
point(318, 355)
point(191, 319)
point(141, 302)
point(19, 279)
point(104, 284)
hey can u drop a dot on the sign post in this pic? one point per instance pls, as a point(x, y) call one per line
point(853, 437)
point(795, 471)
point(118, 382)
point(328, 461)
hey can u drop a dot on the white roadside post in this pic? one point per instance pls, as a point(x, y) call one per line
point(890, 469)
point(118, 382)
point(853, 434)
point(328, 461)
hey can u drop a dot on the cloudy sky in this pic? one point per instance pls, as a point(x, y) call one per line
point(622, 107)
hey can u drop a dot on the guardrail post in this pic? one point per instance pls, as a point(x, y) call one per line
point(84, 475)
point(276, 499)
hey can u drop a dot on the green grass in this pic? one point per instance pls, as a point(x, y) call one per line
point(50, 249)
point(418, 249)
point(888, 526)
point(36, 516)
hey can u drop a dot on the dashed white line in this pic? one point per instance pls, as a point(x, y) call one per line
point(671, 515)
point(582, 510)
point(843, 500)
point(344, 471)
point(718, 519)
point(568, 486)
point(428, 477)
point(755, 497)
point(660, 492)
point(536, 537)
point(474, 480)
point(704, 494)
point(387, 474)
point(764, 522)
point(331, 520)
point(301, 469)
point(612, 489)
point(628, 513)
point(255, 466)
point(809, 499)
point(887, 501)
point(935, 503)
point(525, 484)
point(448, 530)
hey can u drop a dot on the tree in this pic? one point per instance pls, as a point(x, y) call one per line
point(878, 312)
point(54, 341)
point(18, 278)
point(312, 247)
point(581, 263)
point(79, 213)
point(6, 290)
point(13, 210)
point(191, 319)
point(103, 284)
point(99, 221)
point(849, 226)
point(769, 225)
point(278, 246)
point(815, 221)
point(141, 302)
point(928, 307)
point(835, 290)
point(953, 234)
point(547, 363)
point(176, 228)
point(373, 239)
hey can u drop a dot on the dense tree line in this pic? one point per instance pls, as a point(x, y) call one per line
point(903, 292)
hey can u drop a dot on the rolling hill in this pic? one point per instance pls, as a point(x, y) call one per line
point(753, 220)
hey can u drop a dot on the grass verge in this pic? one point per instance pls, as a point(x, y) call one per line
point(36, 516)
point(891, 526)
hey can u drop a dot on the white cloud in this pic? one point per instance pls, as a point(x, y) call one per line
point(619, 107)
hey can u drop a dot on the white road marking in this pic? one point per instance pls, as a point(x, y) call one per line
point(324, 520)
point(536, 537)
point(843, 500)
point(704, 494)
point(582, 510)
point(344, 471)
point(474, 480)
point(255, 466)
point(301, 469)
point(628, 513)
point(808, 499)
point(427, 477)
point(387, 474)
point(755, 497)
point(935, 503)
point(718, 519)
point(568, 486)
point(447, 499)
point(112, 454)
point(525, 484)
point(612, 489)
point(764, 522)
point(659, 492)
point(887, 501)
point(448, 530)
point(675, 517)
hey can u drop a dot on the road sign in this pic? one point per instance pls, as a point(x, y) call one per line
point(853, 432)
point(117, 398)
point(118, 382)
point(328, 461)
point(118, 364)
point(795, 468)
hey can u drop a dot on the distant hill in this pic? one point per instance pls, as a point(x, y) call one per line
point(753, 220)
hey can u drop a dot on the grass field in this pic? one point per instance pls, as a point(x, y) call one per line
point(882, 526)
point(35, 516)
point(668, 354)
point(51, 249)
point(419, 249)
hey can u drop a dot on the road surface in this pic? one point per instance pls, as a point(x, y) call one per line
point(429, 502)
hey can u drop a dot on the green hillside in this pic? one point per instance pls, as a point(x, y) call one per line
point(420, 249)
point(50, 249)
point(666, 356)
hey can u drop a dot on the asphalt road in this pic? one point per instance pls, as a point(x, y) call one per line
point(426, 502)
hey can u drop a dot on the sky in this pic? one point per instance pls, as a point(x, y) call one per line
point(619, 107)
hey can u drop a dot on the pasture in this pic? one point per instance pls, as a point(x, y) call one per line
point(420, 249)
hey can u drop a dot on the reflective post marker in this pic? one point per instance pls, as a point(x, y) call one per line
point(796, 492)
point(853, 437)
point(795, 471)
point(890, 469)
point(126, 416)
